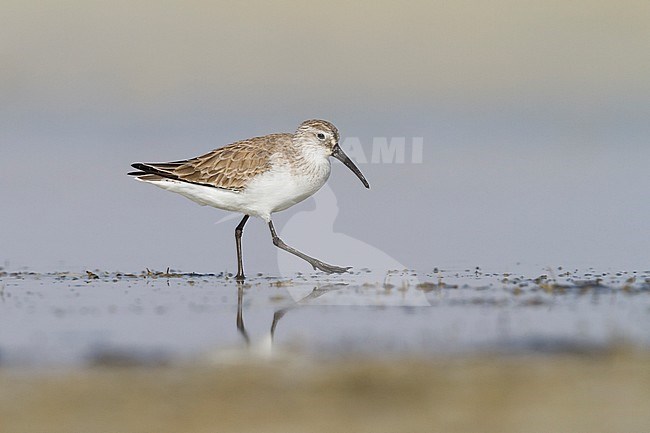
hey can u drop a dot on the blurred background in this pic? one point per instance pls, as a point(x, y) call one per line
point(534, 118)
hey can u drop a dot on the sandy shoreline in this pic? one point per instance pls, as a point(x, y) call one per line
point(558, 393)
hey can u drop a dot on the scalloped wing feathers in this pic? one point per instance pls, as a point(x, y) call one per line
point(230, 167)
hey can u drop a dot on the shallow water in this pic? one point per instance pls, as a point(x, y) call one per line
point(105, 317)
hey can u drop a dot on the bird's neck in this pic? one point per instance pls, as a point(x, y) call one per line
point(310, 159)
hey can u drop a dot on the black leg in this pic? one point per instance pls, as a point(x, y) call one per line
point(238, 233)
point(317, 264)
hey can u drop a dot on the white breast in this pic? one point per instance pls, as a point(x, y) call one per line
point(281, 187)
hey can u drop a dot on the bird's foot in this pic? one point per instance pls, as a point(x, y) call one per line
point(330, 269)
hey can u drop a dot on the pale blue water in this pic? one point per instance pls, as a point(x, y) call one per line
point(68, 319)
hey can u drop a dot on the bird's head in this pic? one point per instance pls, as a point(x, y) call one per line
point(325, 136)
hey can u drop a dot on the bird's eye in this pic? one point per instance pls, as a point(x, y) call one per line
point(320, 136)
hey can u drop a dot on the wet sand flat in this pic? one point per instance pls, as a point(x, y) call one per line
point(560, 393)
point(66, 319)
point(449, 351)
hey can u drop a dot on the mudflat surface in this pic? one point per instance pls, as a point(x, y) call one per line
point(452, 350)
point(559, 393)
point(68, 319)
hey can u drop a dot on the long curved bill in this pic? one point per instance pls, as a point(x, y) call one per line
point(338, 153)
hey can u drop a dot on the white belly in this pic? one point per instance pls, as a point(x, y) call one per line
point(273, 191)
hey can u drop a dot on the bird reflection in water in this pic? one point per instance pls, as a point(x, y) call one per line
point(317, 292)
